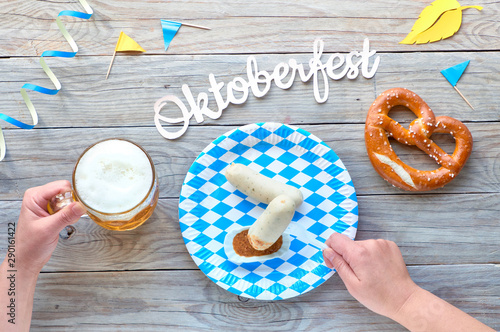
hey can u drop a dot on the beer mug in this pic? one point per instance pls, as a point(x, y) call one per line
point(115, 180)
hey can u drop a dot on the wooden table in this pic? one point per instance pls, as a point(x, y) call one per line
point(145, 280)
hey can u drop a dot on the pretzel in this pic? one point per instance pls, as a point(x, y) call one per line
point(379, 126)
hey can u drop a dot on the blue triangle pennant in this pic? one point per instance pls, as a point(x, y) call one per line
point(169, 28)
point(454, 73)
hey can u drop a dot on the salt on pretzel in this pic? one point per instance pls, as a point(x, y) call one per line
point(379, 126)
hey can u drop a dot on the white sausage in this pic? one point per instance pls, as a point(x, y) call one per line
point(272, 223)
point(259, 186)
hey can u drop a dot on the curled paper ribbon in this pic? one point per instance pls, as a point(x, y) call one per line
point(88, 13)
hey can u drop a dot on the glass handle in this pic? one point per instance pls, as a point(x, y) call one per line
point(59, 201)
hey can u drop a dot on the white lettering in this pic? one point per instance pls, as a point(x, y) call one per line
point(256, 77)
point(240, 85)
point(215, 89)
point(280, 72)
point(365, 55)
point(259, 82)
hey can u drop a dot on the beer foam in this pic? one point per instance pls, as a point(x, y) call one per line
point(113, 176)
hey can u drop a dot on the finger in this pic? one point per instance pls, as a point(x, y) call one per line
point(49, 190)
point(43, 194)
point(327, 257)
point(343, 245)
point(343, 268)
point(67, 216)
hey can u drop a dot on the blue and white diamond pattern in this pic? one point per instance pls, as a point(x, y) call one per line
point(210, 207)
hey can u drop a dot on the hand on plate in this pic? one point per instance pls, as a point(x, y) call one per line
point(373, 271)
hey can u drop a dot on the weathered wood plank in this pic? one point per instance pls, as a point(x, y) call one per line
point(155, 301)
point(448, 236)
point(28, 28)
point(137, 82)
point(432, 235)
point(33, 159)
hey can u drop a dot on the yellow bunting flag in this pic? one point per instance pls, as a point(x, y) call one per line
point(125, 44)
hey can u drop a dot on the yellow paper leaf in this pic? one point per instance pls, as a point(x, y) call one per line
point(428, 17)
point(447, 25)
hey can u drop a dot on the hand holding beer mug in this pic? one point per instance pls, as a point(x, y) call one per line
point(115, 180)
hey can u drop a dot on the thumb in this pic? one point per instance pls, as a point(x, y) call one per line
point(66, 216)
point(343, 268)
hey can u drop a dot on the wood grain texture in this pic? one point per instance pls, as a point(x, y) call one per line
point(160, 300)
point(144, 279)
point(430, 236)
point(237, 26)
point(136, 82)
point(54, 161)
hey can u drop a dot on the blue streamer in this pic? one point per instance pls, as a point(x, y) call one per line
point(32, 87)
point(15, 122)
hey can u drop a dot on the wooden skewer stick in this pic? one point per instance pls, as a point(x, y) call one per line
point(112, 59)
point(196, 26)
point(461, 95)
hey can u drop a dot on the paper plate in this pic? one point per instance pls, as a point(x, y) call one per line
point(210, 208)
